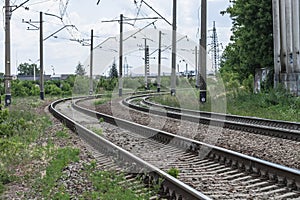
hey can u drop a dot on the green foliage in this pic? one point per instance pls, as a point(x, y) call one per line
point(80, 70)
point(5, 178)
point(113, 72)
point(18, 129)
point(252, 40)
point(107, 186)
point(174, 172)
point(101, 120)
point(81, 86)
point(107, 84)
point(62, 158)
point(52, 89)
point(62, 134)
point(25, 88)
point(101, 101)
point(98, 131)
point(132, 83)
point(276, 103)
point(28, 69)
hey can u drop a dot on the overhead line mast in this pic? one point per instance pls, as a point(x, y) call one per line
point(7, 64)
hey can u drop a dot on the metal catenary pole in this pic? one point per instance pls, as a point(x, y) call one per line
point(42, 93)
point(203, 42)
point(91, 63)
point(196, 65)
point(146, 64)
point(7, 76)
point(121, 56)
point(173, 72)
point(159, 62)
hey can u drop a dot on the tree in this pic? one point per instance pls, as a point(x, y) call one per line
point(27, 69)
point(252, 40)
point(113, 73)
point(80, 70)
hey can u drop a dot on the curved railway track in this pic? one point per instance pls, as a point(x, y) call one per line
point(216, 172)
point(275, 128)
point(134, 166)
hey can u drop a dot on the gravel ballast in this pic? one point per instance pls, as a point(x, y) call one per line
point(276, 150)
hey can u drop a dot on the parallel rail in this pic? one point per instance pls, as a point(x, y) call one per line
point(273, 172)
point(173, 187)
point(274, 128)
point(281, 175)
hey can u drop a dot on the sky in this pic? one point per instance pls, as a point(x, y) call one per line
point(62, 53)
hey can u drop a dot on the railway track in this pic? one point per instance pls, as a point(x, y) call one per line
point(214, 171)
point(124, 161)
point(274, 128)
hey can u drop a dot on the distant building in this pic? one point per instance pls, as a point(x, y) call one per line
point(46, 77)
point(31, 78)
point(59, 76)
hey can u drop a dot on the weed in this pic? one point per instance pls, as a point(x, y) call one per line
point(174, 172)
point(275, 104)
point(97, 131)
point(62, 157)
point(101, 101)
point(107, 186)
point(101, 119)
point(62, 134)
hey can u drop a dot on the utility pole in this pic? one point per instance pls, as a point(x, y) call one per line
point(121, 46)
point(146, 64)
point(91, 62)
point(196, 65)
point(7, 64)
point(173, 72)
point(7, 76)
point(186, 69)
point(31, 23)
point(198, 77)
point(203, 51)
point(42, 94)
point(121, 56)
point(159, 62)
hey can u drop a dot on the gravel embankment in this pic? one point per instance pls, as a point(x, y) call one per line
point(272, 149)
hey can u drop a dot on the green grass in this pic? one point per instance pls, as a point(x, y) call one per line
point(102, 100)
point(61, 158)
point(275, 104)
point(19, 129)
point(62, 134)
point(107, 186)
point(174, 172)
point(29, 154)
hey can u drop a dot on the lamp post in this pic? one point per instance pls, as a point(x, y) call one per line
point(34, 65)
point(186, 67)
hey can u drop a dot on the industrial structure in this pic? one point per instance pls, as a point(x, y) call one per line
point(286, 26)
point(215, 49)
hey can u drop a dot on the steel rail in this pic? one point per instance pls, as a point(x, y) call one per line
point(175, 188)
point(271, 171)
point(274, 128)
